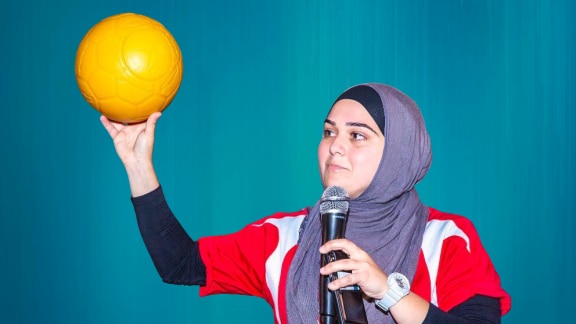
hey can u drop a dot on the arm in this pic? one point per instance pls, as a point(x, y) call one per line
point(371, 279)
point(412, 308)
point(173, 252)
point(175, 255)
point(478, 309)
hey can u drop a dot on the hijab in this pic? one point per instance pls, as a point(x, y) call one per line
point(387, 220)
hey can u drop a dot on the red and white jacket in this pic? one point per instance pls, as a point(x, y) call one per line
point(453, 266)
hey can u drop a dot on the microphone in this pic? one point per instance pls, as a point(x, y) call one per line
point(344, 305)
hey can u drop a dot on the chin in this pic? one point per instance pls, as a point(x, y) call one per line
point(334, 180)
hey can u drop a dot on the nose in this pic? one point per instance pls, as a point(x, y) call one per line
point(338, 146)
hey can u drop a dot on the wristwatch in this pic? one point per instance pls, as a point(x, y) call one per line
point(399, 287)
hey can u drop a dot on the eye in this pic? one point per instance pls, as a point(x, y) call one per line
point(328, 133)
point(358, 137)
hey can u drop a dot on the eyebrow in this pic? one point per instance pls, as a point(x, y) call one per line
point(353, 124)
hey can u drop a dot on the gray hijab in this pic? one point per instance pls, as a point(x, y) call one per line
point(387, 220)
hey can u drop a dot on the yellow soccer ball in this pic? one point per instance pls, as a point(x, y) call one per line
point(128, 66)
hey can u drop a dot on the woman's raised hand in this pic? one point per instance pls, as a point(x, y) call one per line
point(134, 144)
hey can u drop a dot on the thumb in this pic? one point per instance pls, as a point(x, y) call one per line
point(151, 123)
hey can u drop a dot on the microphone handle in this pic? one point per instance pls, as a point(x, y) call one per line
point(345, 305)
point(333, 226)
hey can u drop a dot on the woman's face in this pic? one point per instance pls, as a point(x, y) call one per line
point(351, 148)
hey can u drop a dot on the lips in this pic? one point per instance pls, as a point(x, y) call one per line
point(335, 167)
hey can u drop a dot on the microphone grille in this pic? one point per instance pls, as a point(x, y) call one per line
point(334, 197)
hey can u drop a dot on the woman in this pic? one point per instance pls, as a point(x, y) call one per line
point(376, 147)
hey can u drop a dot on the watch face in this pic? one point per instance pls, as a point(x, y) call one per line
point(401, 281)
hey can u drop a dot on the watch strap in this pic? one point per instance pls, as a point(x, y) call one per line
point(394, 293)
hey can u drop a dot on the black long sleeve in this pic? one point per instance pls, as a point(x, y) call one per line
point(175, 255)
point(478, 309)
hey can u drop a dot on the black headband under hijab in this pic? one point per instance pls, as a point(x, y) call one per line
point(370, 99)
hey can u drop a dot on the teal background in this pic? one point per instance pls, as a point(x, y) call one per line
point(495, 81)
